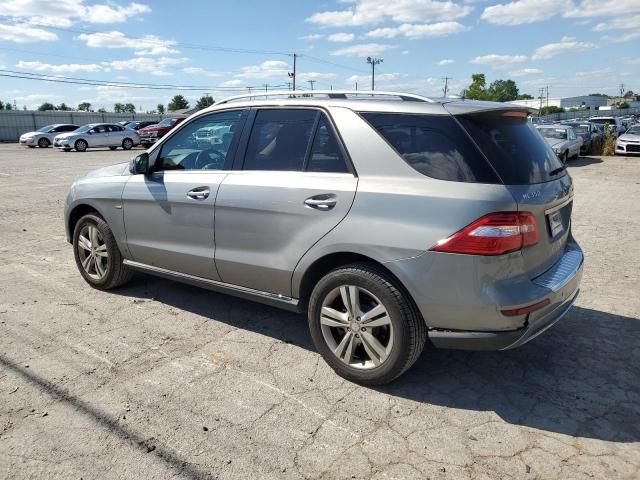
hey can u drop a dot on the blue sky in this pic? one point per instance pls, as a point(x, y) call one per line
point(573, 46)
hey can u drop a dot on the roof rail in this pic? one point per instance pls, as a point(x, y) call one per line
point(330, 94)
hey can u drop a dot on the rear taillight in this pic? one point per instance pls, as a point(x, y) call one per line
point(493, 234)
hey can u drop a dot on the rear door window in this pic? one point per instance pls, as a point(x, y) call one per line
point(514, 147)
point(326, 155)
point(434, 145)
point(279, 139)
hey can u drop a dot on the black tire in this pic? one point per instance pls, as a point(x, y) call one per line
point(127, 144)
point(31, 146)
point(112, 148)
point(117, 273)
point(409, 330)
point(43, 143)
point(81, 145)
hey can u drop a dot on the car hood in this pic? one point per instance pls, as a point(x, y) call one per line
point(629, 137)
point(67, 134)
point(31, 134)
point(110, 171)
point(553, 141)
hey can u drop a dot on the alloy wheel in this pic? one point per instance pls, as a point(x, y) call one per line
point(93, 253)
point(356, 327)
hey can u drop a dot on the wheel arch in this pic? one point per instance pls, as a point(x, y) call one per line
point(324, 264)
point(77, 212)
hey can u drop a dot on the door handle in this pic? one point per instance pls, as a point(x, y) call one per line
point(199, 193)
point(323, 202)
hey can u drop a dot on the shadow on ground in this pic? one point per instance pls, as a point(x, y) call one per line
point(580, 378)
point(583, 162)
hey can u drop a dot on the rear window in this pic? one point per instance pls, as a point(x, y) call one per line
point(513, 146)
point(434, 145)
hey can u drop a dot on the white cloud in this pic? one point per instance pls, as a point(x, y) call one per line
point(603, 8)
point(446, 61)
point(524, 11)
point(497, 61)
point(267, 69)
point(61, 68)
point(341, 37)
point(201, 72)
point(567, 44)
point(34, 100)
point(64, 12)
point(313, 36)
point(409, 30)
point(362, 50)
point(365, 79)
point(372, 12)
point(147, 65)
point(303, 77)
point(620, 23)
point(23, 33)
point(115, 39)
point(524, 72)
point(624, 37)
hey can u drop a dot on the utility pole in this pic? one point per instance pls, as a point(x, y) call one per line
point(446, 85)
point(373, 61)
point(311, 82)
point(266, 88)
point(292, 75)
point(622, 89)
point(541, 96)
point(356, 86)
point(547, 95)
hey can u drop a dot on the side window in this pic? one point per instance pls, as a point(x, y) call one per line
point(203, 144)
point(434, 145)
point(325, 153)
point(279, 139)
point(68, 128)
point(115, 128)
point(100, 129)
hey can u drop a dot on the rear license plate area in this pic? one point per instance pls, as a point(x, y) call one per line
point(559, 220)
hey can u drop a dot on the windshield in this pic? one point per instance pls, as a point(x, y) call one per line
point(556, 133)
point(513, 146)
point(602, 121)
point(581, 129)
point(634, 130)
point(45, 129)
point(167, 122)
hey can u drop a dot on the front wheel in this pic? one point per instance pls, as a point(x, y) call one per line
point(97, 255)
point(127, 144)
point(81, 145)
point(43, 143)
point(364, 325)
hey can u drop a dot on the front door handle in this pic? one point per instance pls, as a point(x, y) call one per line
point(324, 202)
point(199, 193)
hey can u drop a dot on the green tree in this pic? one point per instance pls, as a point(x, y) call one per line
point(84, 106)
point(503, 91)
point(524, 96)
point(46, 106)
point(622, 105)
point(204, 102)
point(160, 108)
point(548, 110)
point(8, 106)
point(102, 110)
point(178, 103)
point(1, 105)
point(477, 90)
point(130, 108)
point(118, 108)
point(63, 107)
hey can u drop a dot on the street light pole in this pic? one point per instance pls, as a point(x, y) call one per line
point(373, 61)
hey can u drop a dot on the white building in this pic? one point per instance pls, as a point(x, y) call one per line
point(588, 102)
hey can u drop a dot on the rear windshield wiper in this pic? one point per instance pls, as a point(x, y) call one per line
point(557, 170)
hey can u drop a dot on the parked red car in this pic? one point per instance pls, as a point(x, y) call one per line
point(150, 135)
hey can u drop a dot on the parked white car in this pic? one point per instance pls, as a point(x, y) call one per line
point(43, 137)
point(96, 135)
point(629, 142)
point(614, 123)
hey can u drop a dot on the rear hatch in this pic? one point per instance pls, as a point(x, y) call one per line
point(531, 172)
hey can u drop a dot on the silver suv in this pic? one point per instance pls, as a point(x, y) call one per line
point(390, 219)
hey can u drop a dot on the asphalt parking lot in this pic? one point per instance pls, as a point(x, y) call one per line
point(161, 380)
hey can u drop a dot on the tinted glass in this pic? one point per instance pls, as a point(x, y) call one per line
point(513, 146)
point(45, 129)
point(68, 128)
point(203, 144)
point(279, 139)
point(325, 153)
point(434, 145)
point(115, 128)
point(100, 129)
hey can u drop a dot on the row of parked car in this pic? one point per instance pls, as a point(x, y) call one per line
point(571, 138)
point(126, 135)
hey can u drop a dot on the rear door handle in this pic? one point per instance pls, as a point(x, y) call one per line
point(324, 202)
point(199, 193)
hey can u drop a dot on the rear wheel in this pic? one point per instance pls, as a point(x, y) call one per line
point(97, 255)
point(43, 143)
point(127, 144)
point(81, 145)
point(365, 327)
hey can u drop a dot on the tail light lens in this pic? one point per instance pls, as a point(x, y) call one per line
point(493, 234)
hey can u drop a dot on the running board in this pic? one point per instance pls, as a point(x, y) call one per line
point(272, 299)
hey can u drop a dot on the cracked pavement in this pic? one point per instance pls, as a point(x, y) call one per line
point(161, 380)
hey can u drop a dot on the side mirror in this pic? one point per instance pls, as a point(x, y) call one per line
point(140, 164)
